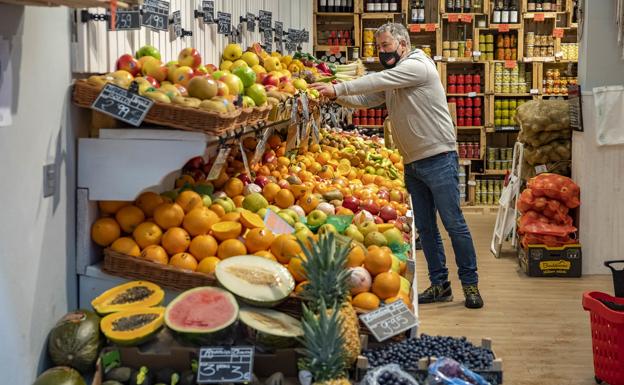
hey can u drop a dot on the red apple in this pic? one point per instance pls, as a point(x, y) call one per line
point(283, 79)
point(195, 163)
point(370, 206)
point(269, 157)
point(388, 213)
point(222, 89)
point(261, 180)
point(351, 203)
point(182, 89)
point(183, 75)
point(283, 183)
point(260, 77)
point(383, 194)
point(128, 63)
point(189, 57)
point(270, 88)
point(198, 175)
point(271, 80)
point(211, 68)
point(155, 83)
point(155, 69)
point(378, 220)
point(396, 196)
point(245, 178)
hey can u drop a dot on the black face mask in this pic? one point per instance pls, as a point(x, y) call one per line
point(389, 59)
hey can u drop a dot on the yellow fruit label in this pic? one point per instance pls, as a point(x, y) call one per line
point(555, 265)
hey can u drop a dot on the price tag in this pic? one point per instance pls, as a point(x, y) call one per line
point(276, 224)
point(540, 169)
point(453, 18)
point(437, 58)
point(218, 164)
point(122, 104)
point(451, 59)
point(558, 32)
point(155, 14)
point(539, 17)
point(508, 128)
point(472, 183)
point(126, 20)
point(370, 59)
point(472, 94)
point(177, 24)
point(293, 137)
point(208, 9)
point(415, 28)
point(559, 55)
point(305, 36)
point(244, 156)
point(261, 146)
point(534, 91)
point(251, 21)
point(266, 20)
point(316, 134)
point(224, 23)
point(279, 29)
point(430, 27)
point(511, 64)
point(267, 37)
point(225, 364)
point(476, 54)
point(390, 320)
point(466, 18)
point(503, 28)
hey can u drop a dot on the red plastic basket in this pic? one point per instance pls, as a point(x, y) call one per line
point(607, 329)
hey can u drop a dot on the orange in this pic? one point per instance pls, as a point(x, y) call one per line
point(203, 246)
point(298, 190)
point(284, 247)
point(184, 179)
point(217, 209)
point(344, 211)
point(265, 254)
point(226, 230)
point(147, 234)
point(283, 161)
point(233, 216)
point(366, 301)
point(189, 200)
point(258, 239)
point(238, 200)
point(270, 191)
point(251, 220)
point(199, 221)
point(208, 265)
point(156, 254)
point(368, 178)
point(129, 217)
point(399, 296)
point(377, 261)
point(184, 261)
point(176, 240)
point(127, 246)
point(231, 248)
point(105, 231)
point(274, 141)
point(356, 256)
point(168, 215)
point(284, 199)
point(308, 202)
point(323, 157)
point(221, 180)
point(300, 286)
point(234, 187)
point(148, 201)
point(386, 285)
point(111, 207)
point(295, 266)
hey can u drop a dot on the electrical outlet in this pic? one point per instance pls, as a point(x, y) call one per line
point(49, 180)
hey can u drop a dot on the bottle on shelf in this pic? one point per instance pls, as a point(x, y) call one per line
point(497, 13)
point(330, 5)
point(414, 16)
point(459, 5)
point(378, 6)
point(477, 6)
point(505, 12)
point(513, 14)
point(322, 5)
point(394, 6)
point(546, 6)
point(539, 5)
point(575, 11)
point(450, 6)
point(467, 6)
point(531, 5)
point(421, 12)
point(385, 6)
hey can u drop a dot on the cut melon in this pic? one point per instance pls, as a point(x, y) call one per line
point(255, 280)
point(134, 326)
point(127, 296)
point(270, 328)
point(203, 315)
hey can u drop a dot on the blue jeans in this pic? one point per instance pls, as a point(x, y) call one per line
point(433, 184)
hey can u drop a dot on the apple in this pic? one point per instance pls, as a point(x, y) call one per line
point(128, 63)
point(202, 88)
point(244, 178)
point(388, 213)
point(183, 91)
point(194, 163)
point(261, 181)
point(298, 210)
point(239, 64)
point(155, 69)
point(378, 220)
point(148, 50)
point(218, 74)
point(257, 93)
point(352, 203)
point(151, 80)
point(274, 208)
point(288, 88)
point(293, 214)
point(225, 65)
point(251, 188)
point(271, 80)
point(300, 84)
point(303, 233)
point(367, 227)
point(222, 89)
point(157, 96)
point(228, 103)
point(383, 194)
point(211, 68)
point(327, 228)
point(250, 58)
point(326, 207)
point(370, 206)
point(232, 52)
point(233, 82)
point(272, 64)
point(171, 67)
point(206, 200)
point(271, 89)
point(246, 74)
point(183, 75)
point(258, 69)
point(396, 196)
point(260, 77)
point(248, 102)
point(189, 57)
point(316, 218)
point(171, 90)
point(283, 184)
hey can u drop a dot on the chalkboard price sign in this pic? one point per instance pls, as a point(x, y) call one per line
point(305, 37)
point(224, 23)
point(225, 364)
point(177, 23)
point(156, 14)
point(390, 320)
point(279, 29)
point(266, 20)
point(208, 9)
point(251, 21)
point(122, 104)
point(126, 20)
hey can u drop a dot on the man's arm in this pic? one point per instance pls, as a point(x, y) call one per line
point(362, 101)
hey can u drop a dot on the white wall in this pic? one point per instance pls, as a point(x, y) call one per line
point(598, 169)
point(37, 273)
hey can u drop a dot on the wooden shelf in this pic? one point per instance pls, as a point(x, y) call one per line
point(375, 60)
point(380, 15)
point(470, 127)
point(496, 172)
point(495, 27)
point(322, 47)
point(345, 14)
point(512, 95)
point(465, 95)
point(547, 15)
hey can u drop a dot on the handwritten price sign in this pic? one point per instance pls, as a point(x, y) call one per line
point(389, 320)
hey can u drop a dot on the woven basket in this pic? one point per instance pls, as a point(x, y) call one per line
point(170, 115)
point(243, 118)
point(259, 113)
point(125, 266)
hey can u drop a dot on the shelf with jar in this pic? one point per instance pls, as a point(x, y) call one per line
point(545, 6)
point(512, 78)
point(488, 190)
point(370, 118)
point(503, 112)
point(474, 7)
point(336, 32)
point(382, 7)
point(556, 77)
point(457, 38)
point(465, 79)
point(492, 44)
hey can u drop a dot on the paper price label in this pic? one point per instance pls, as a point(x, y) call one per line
point(540, 169)
point(558, 32)
point(539, 17)
point(476, 54)
point(558, 54)
point(453, 18)
point(244, 156)
point(370, 59)
point(466, 18)
point(415, 28)
point(279, 29)
point(510, 64)
point(430, 27)
point(262, 145)
point(451, 59)
point(177, 24)
point(437, 58)
point(472, 94)
point(217, 166)
point(534, 91)
point(503, 28)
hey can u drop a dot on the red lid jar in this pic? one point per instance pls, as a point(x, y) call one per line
point(468, 79)
point(476, 102)
point(468, 102)
point(469, 121)
point(452, 79)
point(476, 79)
point(460, 79)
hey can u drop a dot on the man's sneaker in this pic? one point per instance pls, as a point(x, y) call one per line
point(473, 297)
point(436, 293)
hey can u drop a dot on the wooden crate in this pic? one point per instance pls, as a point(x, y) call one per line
point(512, 27)
point(335, 21)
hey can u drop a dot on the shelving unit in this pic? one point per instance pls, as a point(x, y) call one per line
point(440, 26)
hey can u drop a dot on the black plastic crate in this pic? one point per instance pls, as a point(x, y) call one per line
point(544, 261)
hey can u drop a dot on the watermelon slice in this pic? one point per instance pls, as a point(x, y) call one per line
point(270, 328)
point(255, 280)
point(203, 315)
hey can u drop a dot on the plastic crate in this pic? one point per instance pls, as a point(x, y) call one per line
point(618, 277)
point(607, 330)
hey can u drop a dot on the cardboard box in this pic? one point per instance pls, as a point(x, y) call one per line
point(544, 261)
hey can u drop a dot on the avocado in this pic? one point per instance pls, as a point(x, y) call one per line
point(120, 374)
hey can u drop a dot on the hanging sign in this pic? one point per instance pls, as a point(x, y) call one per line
point(126, 20)
point(122, 104)
point(225, 364)
point(208, 9)
point(266, 20)
point(218, 164)
point(155, 14)
point(224, 23)
point(177, 23)
point(251, 22)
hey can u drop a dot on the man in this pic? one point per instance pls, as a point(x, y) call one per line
point(424, 134)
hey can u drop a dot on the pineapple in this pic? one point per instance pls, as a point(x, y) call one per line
point(324, 345)
point(328, 288)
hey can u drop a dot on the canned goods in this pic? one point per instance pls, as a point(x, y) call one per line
point(369, 35)
point(446, 53)
point(491, 164)
point(455, 44)
point(490, 198)
point(446, 45)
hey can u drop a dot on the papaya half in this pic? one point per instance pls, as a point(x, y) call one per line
point(133, 327)
point(130, 295)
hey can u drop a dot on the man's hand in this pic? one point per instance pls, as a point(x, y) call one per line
point(326, 90)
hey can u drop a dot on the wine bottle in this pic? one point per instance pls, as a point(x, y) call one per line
point(394, 6)
point(385, 6)
point(531, 6)
point(505, 13)
point(413, 12)
point(539, 6)
point(497, 13)
point(546, 6)
point(467, 6)
point(450, 6)
point(421, 12)
point(459, 5)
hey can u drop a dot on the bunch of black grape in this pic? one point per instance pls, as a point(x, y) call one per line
point(389, 378)
point(407, 353)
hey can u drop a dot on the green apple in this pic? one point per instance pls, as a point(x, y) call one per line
point(275, 209)
point(257, 93)
point(367, 227)
point(148, 50)
point(287, 218)
point(394, 236)
point(262, 212)
point(248, 102)
point(316, 218)
point(255, 202)
point(227, 206)
point(326, 229)
point(300, 226)
point(352, 232)
point(246, 74)
point(207, 200)
point(291, 213)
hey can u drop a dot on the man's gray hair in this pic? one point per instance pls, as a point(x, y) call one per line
point(398, 31)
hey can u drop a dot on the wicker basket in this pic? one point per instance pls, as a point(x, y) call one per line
point(125, 266)
point(243, 118)
point(170, 115)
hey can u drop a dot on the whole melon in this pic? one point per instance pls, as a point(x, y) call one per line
point(75, 340)
point(60, 375)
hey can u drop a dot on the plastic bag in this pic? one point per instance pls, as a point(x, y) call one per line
point(548, 240)
point(556, 187)
point(544, 115)
point(388, 374)
point(561, 168)
point(549, 208)
point(446, 371)
point(340, 222)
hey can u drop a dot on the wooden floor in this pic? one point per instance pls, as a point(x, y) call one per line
point(537, 325)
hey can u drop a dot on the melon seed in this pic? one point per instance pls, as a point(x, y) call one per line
point(133, 322)
point(255, 276)
point(269, 321)
point(133, 294)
